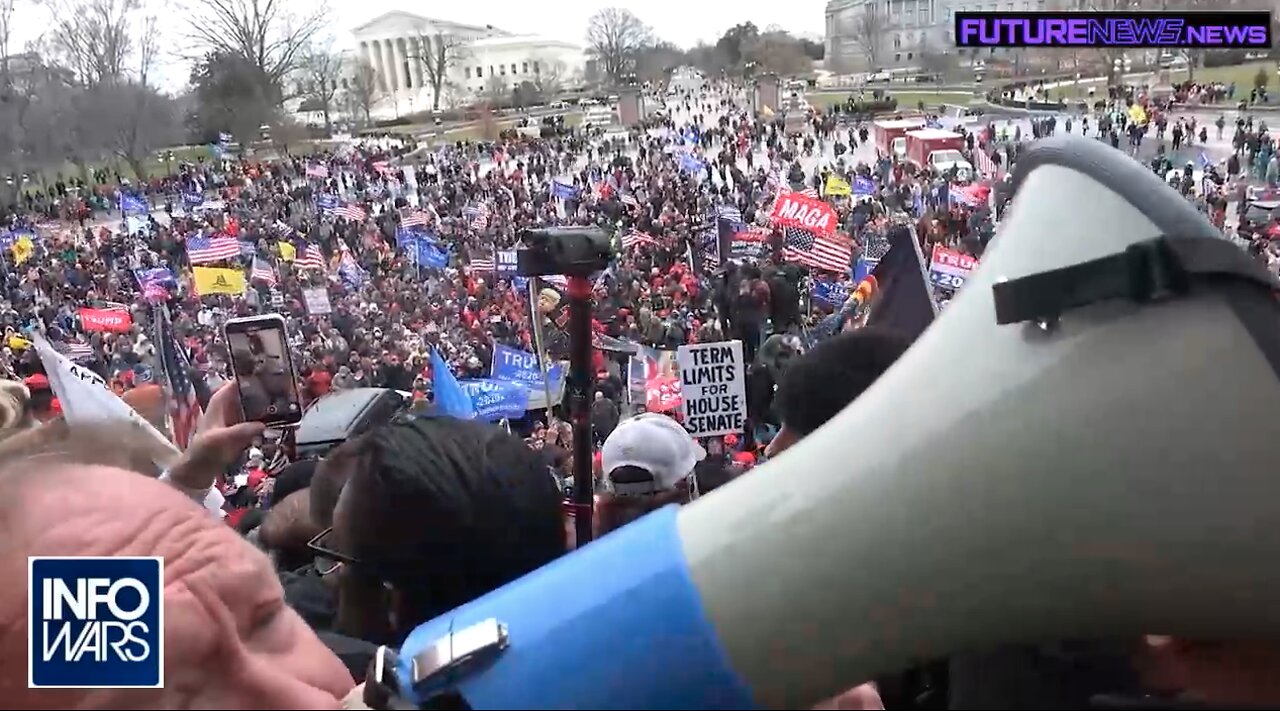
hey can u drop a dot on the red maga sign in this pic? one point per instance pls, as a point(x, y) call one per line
point(105, 320)
point(797, 210)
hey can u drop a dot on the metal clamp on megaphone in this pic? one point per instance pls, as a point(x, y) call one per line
point(1093, 457)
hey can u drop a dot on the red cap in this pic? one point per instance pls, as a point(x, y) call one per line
point(37, 382)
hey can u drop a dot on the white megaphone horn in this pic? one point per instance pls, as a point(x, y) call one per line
point(1083, 445)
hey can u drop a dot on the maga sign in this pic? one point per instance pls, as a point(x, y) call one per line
point(797, 210)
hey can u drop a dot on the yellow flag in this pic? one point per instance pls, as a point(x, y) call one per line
point(23, 249)
point(1137, 114)
point(837, 186)
point(288, 252)
point(212, 280)
point(18, 343)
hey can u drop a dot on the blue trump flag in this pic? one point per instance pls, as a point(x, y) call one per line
point(513, 365)
point(495, 399)
point(431, 255)
point(863, 186)
point(451, 398)
point(133, 203)
point(831, 293)
point(690, 163)
point(563, 191)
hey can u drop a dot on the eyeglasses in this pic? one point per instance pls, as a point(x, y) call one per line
point(328, 560)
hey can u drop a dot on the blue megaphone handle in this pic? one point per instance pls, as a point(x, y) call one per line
point(617, 624)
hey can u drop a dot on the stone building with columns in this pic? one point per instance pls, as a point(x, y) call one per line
point(484, 59)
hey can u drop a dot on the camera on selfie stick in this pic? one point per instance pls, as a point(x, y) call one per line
point(575, 252)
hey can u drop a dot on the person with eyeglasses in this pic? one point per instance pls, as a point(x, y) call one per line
point(434, 513)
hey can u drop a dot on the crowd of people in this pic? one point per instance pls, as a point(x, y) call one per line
point(383, 254)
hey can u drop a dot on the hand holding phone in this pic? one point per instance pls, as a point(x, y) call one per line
point(263, 368)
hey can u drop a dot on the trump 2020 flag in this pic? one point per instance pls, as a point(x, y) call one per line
point(451, 398)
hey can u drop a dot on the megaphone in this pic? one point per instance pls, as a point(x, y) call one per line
point(1083, 445)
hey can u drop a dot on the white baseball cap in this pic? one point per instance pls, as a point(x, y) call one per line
point(655, 443)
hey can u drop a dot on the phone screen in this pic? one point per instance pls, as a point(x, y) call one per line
point(264, 373)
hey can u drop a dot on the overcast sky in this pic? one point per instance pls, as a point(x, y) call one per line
point(680, 21)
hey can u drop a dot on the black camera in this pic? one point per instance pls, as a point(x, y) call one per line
point(572, 251)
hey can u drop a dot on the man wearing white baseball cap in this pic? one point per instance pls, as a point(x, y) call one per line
point(648, 462)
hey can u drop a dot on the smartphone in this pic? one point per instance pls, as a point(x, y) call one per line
point(263, 369)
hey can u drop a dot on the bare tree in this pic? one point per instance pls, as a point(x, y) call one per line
point(614, 36)
point(321, 70)
point(495, 90)
point(867, 29)
point(778, 52)
point(137, 121)
point(94, 38)
point(260, 32)
point(363, 89)
point(936, 61)
point(7, 8)
point(436, 53)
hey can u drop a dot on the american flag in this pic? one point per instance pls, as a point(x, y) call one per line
point(478, 215)
point(75, 350)
point(709, 243)
point(114, 306)
point(417, 218)
point(184, 404)
point(350, 212)
point(263, 271)
point(482, 264)
point(986, 166)
point(317, 171)
point(831, 252)
point(729, 213)
point(559, 281)
point(810, 192)
point(635, 238)
point(219, 248)
point(309, 257)
point(629, 200)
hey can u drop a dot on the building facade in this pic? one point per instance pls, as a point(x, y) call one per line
point(481, 59)
point(878, 35)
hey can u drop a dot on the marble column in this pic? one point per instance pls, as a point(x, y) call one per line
point(402, 57)
point(418, 49)
point(388, 65)
point(384, 71)
point(375, 61)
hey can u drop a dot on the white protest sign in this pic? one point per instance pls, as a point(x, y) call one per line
point(317, 301)
point(713, 384)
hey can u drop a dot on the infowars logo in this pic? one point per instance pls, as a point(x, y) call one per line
point(95, 622)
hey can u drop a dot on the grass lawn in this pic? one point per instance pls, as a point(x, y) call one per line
point(1241, 74)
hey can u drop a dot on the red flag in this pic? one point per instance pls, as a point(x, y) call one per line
point(797, 210)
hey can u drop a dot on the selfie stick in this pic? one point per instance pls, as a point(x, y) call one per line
point(578, 388)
